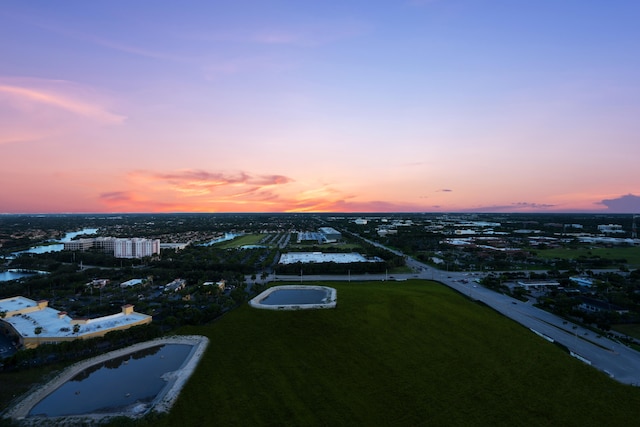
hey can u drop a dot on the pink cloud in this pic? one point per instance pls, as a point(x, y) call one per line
point(21, 96)
point(199, 190)
point(207, 191)
point(35, 109)
point(201, 181)
point(514, 207)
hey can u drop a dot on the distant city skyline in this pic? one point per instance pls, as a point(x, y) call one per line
point(332, 106)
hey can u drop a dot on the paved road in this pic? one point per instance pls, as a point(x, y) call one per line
point(611, 357)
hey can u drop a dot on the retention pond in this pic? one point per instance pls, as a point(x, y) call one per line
point(127, 382)
point(295, 297)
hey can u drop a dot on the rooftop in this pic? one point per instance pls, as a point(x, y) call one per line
point(307, 257)
point(25, 315)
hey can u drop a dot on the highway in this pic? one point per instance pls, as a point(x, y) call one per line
point(615, 359)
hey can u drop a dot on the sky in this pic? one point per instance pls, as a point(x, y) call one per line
point(320, 106)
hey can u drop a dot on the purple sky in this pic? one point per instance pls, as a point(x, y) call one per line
point(433, 105)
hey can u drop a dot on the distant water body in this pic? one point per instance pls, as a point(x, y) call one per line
point(57, 245)
point(227, 236)
point(54, 246)
point(5, 276)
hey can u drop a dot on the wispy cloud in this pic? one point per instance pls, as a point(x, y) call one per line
point(198, 190)
point(137, 50)
point(207, 191)
point(245, 63)
point(514, 207)
point(204, 182)
point(31, 109)
point(19, 96)
point(308, 34)
point(74, 33)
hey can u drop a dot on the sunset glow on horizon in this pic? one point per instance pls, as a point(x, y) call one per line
point(333, 106)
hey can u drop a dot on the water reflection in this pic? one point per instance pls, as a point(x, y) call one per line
point(8, 275)
point(296, 296)
point(56, 246)
point(115, 385)
point(227, 237)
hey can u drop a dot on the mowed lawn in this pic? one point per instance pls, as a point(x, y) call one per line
point(247, 239)
point(631, 254)
point(392, 354)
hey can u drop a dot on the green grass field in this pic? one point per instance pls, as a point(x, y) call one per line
point(631, 254)
point(633, 330)
point(247, 239)
point(391, 354)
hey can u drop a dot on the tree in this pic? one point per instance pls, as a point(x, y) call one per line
point(38, 331)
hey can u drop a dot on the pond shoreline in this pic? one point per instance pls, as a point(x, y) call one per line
point(161, 403)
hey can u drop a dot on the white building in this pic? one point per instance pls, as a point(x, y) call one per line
point(130, 283)
point(320, 257)
point(120, 248)
point(610, 228)
point(34, 322)
point(175, 286)
point(135, 248)
point(330, 234)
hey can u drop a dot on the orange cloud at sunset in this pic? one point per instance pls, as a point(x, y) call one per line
point(203, 191)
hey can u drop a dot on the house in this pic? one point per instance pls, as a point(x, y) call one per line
point(598, 306)
point(98, 283)
point(175, 286)
point(130, 283)
point(582, 281)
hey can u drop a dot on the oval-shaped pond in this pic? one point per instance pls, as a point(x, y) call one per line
point(295, 297)
point(128, 381)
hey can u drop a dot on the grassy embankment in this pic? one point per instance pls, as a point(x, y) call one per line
point(409, 353)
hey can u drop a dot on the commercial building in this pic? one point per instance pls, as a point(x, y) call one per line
point(319, 257)
point(33, 323)
point(610, 228)
point(330, 234)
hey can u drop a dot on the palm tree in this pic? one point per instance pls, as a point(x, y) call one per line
point(38, 331)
